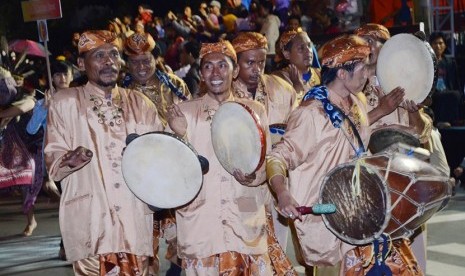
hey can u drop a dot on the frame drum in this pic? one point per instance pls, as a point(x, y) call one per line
point(383, 138)
point(162, 170)
point(238, 138)
point(406, 61)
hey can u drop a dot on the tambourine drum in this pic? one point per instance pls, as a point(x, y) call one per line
point(398, 193)
point(162, 170)
point(238, 138)
point(408, 62)
point(277, 132)
point(382, 138)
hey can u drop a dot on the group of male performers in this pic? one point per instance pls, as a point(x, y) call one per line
point(227, 229)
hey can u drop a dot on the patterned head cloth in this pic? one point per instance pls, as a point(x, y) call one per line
point(90, 40)
point(287, 36)
point(249, 41)
point(223, 47)
point(138, 44)
point(375, 30)
point(344, 50)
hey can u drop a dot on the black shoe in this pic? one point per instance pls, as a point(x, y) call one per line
point(174, 270)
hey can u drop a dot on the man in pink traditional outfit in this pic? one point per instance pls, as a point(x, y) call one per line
point(223, 230)
point(409, 118)
point(105, 228)
point(319, 137)
point(162, 88)
point(296, 48)
point(278, 96)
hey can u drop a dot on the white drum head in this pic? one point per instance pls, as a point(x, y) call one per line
point(162, 170)
point(405, 61)
point(238, 138)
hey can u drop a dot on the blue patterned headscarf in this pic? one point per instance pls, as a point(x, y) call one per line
point(336, 115)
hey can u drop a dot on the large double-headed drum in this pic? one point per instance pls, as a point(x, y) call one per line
point(238, 138)
point(408, 62)
point(162, 170)
point(397, 194)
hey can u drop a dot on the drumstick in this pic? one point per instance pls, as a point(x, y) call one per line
point(317, 209)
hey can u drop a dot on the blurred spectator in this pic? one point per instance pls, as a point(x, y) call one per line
point(270, 29)
point(293, 23)
point(139, 27)
point(334, 25)
point(281, 9)
point(349, 13)
point(145, 14)
point(18, 150)
point(190, 57)
point(182, 29)
point(61, 78)
point(172, 52)
point(321, 15)
point(446, 97)
point(229, 20)
point(384, 11)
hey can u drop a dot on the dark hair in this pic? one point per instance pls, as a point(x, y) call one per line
point(329, 74)
point(193, 48)
point(59, 67)
point(156, 52)
point(435, 35)
point(296, 17)
point(267, 5)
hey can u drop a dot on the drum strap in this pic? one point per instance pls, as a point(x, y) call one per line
point(335, 114)
point(380, 268)
point(163, 77)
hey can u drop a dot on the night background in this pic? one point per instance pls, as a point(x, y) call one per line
point(79, 15)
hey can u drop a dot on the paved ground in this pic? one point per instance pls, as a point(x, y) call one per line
point(37, 255)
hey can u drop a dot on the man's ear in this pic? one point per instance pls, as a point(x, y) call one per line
point(80, 63)
point(341, 74)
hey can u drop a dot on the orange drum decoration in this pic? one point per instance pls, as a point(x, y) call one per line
point(397, 193)
point(238, 138)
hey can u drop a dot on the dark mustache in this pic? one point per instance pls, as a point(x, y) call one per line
point(108, 70)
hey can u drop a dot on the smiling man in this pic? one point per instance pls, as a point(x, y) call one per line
point(105, 227)
point(223, 230)
point(162, 88)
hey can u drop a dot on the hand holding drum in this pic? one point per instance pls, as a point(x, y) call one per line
point(162, 170)
point(238, 140)
point(408, 62)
